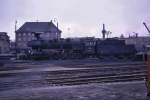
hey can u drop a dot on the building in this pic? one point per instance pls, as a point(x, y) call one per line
point(4, 43)
point(140, 42)
point(47, 30)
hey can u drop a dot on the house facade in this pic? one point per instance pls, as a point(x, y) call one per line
point(4, 43)
point(26, 33)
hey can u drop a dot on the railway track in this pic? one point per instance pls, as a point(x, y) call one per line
point(102, 64)
point(103, 74)
point(85, 79)
point(76, 80)
point(7, 71)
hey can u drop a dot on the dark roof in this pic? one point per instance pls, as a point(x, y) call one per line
point(3, 33)
point(38, 27)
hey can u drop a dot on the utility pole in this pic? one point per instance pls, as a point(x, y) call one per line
point(16, 25)
point(15, 39)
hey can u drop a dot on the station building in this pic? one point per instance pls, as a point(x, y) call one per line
point(26, 33)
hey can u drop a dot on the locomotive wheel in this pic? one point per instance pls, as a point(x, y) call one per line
point(99, 57)
point(120, 57)
point(130, 57)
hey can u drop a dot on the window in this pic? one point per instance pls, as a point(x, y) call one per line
point(24, 34)
point(19, 34)
point(19, 39)
point(29, 38)
point(23, 39)
point(32, 38)
point(32, 34)
point(29, 34)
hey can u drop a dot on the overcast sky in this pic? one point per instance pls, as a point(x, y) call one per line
point(78, 17)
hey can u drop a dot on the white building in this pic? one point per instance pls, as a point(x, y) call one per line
point(139, 42)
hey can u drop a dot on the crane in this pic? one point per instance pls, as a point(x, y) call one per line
point(146, 27)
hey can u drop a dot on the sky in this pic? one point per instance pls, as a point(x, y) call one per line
point(78, 18)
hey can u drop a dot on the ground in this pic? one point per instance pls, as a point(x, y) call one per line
point(107, 91)
point(11, 89)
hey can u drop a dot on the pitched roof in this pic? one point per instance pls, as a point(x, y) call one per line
point(38, 27)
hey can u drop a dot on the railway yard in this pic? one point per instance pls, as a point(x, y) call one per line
point(88, 79)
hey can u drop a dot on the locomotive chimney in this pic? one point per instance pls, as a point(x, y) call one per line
point(103, 31)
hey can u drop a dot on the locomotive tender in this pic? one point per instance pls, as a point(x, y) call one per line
point(115, 48)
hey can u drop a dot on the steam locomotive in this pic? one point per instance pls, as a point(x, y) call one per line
point(81, 48)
